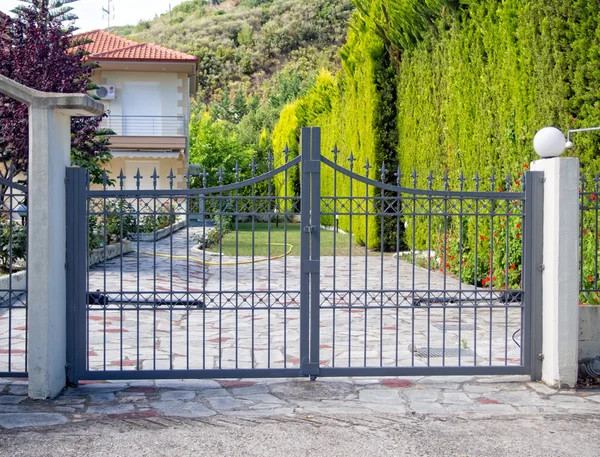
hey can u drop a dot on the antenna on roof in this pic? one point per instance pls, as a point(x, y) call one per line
point(108, 12)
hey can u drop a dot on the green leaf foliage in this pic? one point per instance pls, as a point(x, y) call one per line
point(446, 86)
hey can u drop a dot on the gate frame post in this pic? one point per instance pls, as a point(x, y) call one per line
point(533, 248)
point(315, 249)
point(309, 251)
point(76, 188)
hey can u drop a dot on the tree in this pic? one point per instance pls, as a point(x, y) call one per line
point(215, 146)
point(37, 49)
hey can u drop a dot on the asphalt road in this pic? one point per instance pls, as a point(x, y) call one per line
point(339, 435)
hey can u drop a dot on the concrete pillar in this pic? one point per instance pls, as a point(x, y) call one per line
point(49, 155)
point(560, 274)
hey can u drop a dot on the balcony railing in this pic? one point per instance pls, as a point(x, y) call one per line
point(146, 125)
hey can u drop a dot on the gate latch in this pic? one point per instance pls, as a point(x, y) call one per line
point(308, 228)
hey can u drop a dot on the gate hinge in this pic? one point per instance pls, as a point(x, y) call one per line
point(309, 228)
point(311, 266)
point(540, 356)
point(541, 267)
point(66, 266)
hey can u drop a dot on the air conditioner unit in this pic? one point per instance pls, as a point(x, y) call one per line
point(105, 92)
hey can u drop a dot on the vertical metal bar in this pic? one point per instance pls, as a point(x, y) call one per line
point(397, 210)
point(315, 246)
point(596, 222)
point(253, 291)
point(76, 271)
point(237, 265)
point(414, 261)
point(350, 235)
point(532, 272)
point(304, 245)
point(507, 263)
point(366, 273)
point(445, 266)
point(333, 279)
point(581, 216)
point(475, 278)
point(204, 212)
point(269, 290)
point(460, 266)
point(429, 249)
point(11, 297)
point(285, 256)
point(382, 202)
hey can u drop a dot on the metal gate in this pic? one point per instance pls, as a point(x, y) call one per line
point(288, 272)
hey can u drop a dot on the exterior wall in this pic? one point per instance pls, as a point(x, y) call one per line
point(174, 101)
point(174, 91)
point(163, 168)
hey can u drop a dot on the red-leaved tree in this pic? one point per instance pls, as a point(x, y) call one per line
point(38, 50)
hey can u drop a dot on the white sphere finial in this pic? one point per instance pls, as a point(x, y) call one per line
point(549, 142)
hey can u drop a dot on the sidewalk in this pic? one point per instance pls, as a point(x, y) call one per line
point(293, 398)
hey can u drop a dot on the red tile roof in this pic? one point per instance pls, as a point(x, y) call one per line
point(106, 46)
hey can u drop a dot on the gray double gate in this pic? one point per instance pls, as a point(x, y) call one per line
point(307, 269)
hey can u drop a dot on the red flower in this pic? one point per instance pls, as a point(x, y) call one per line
point(593, 197)
point(518, 225)
point(495, 235)
point(499, 189)
point(517, 183)
point(591, 278)
point(482, 237)
point(525, 165)
point(518, 235)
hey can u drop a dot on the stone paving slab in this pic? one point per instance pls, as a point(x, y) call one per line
point(485, 396)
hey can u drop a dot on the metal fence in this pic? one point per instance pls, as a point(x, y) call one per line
point(13, 275)
point(276, 282)
point(145, 125)
point(589, 241)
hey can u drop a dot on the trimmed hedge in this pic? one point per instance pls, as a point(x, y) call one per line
point(347, 107)
point(445, 86)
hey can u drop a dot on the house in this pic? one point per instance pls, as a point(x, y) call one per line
point(146, 90)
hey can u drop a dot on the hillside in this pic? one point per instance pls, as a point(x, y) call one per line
point(243, 44)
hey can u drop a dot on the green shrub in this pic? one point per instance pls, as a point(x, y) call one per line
point(163, 218)
point(13, 244)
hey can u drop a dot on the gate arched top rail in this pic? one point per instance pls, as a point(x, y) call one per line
point(198, 191)
point(424, 192)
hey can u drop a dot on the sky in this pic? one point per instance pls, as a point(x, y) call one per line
point(125, 11)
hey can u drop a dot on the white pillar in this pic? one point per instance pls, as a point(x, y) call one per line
point(49, 155)
point(560, 275)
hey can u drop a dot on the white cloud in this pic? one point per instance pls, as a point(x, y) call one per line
point(126, 11)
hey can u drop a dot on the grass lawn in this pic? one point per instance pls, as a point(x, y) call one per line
point(245, 241)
